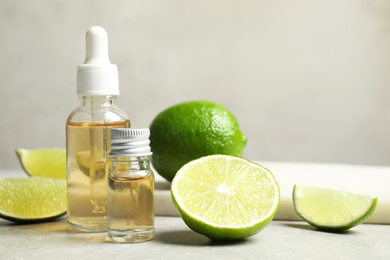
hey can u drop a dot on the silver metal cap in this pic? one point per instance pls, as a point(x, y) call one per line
point(126, 142)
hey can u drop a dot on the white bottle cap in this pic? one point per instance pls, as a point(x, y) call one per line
point(97, 76)
point(127, 142)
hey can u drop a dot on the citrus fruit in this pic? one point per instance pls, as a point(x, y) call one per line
point(33, 199)
point(225, 197)
point(43, 162)
point(190, 130)
point(83, 160)
point(84, 163)
point(332, 210)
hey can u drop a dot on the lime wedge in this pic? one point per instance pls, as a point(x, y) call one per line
point(86, 165)
point(225, 197)
point(332, 210)
point(83, 160)
point(32, 199)
point(43, 162)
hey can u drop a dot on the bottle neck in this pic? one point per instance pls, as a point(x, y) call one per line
point(104, 101)
point(139, 163)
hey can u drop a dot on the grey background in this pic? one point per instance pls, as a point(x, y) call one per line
point(308, 80)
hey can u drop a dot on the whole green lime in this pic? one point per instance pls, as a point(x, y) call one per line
point(190, 130)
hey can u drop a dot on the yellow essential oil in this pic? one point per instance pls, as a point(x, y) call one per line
point(88, 166)
point(130, 187)
point(88, 135)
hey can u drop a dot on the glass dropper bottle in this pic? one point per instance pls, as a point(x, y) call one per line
point(88, 135)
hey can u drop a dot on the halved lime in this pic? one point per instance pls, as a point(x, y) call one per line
point(32, 199)
point(43, 162)
point(225, 197)
point(332, 210)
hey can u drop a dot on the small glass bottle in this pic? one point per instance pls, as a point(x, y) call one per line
point(130, 187)
point(88, 136)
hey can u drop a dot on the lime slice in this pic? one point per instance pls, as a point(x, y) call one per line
point(332, 210)
point(32, 199)
point(43, 162)
point(225, 197)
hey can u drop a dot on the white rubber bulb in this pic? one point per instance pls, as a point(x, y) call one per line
point(96, 46)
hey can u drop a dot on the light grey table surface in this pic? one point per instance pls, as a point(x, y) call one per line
point(174, 240)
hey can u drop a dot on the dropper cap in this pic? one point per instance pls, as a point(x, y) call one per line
point(97, 76)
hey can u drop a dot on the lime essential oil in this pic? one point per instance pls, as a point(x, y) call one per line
point(130, 187)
